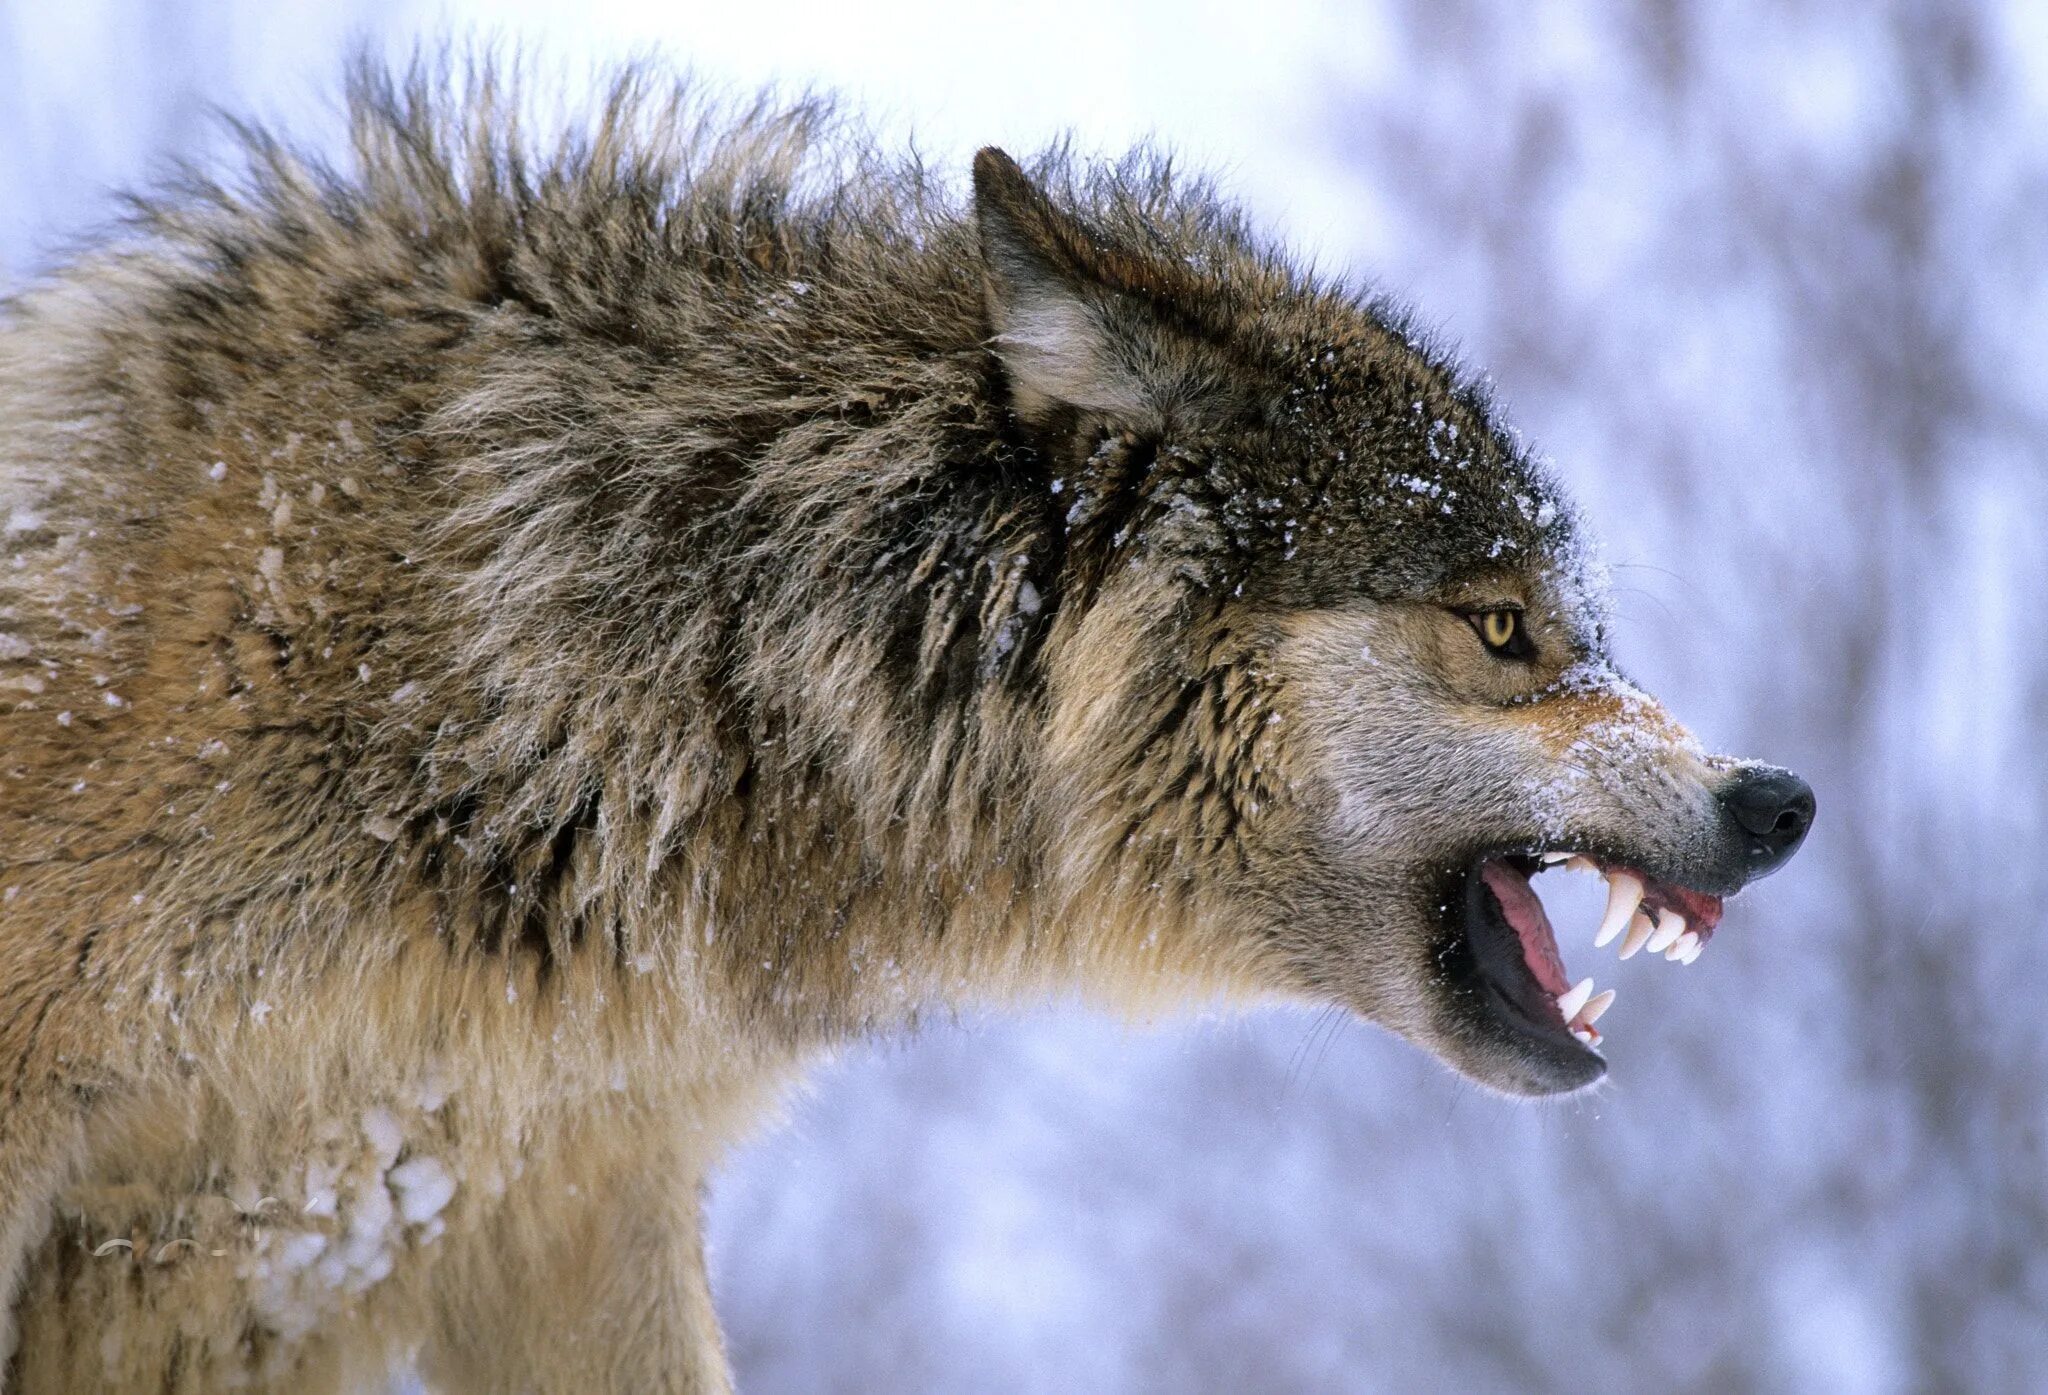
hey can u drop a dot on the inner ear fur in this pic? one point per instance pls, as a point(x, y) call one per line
point(1071, 318)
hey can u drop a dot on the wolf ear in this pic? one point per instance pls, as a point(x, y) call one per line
point(1064, 333)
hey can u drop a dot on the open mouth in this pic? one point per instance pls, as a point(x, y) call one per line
point(1515, 949)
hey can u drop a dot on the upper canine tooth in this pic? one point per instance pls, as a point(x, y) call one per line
point(1670, 925)
point(1570, 1003)
point(1639, 931)
point(1624, 894)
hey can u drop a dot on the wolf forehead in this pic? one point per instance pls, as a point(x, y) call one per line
point(1369, 471)
point(1380, 481)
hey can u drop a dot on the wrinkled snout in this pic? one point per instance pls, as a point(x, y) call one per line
point(1770, 809)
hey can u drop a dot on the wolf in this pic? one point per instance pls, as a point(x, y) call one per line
point(513, 645)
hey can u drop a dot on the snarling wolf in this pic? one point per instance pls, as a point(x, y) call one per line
point(510, 647)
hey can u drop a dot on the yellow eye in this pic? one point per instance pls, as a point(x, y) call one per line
point(1504, 633)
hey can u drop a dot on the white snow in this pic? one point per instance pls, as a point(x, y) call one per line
point(424, 1186)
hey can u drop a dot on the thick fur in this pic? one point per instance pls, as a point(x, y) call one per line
point(510, 648)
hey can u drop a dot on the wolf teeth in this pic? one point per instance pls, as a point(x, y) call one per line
point(1657, 929)
point(1639, 931)
point(1595, 1006)
point(1670, 925)
point(1624, 894)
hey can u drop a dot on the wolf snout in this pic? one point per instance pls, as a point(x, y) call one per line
point(1773, 808)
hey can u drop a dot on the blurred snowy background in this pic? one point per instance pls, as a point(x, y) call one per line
point(1771, 282)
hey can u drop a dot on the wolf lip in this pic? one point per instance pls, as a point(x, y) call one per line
point(1526, 970)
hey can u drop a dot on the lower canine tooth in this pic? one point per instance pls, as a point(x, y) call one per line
point(1570, 1003)
point(1639, 931)
point(1670, 925)
point(1597, 1004)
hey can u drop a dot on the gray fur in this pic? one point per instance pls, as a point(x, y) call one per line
point(524, 643)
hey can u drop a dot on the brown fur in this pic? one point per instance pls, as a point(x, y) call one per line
point(509, 652)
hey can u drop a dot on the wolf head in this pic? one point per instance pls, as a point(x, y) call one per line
point(1335, 663)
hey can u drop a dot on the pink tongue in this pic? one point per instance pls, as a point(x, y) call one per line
point(1518, 902)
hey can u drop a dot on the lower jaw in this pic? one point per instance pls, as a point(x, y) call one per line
point(1515, 1011)
point(1528, 1058)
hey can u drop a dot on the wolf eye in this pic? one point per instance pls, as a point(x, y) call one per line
point(1503, 633)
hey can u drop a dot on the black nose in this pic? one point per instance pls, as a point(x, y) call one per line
point(1774, 808)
